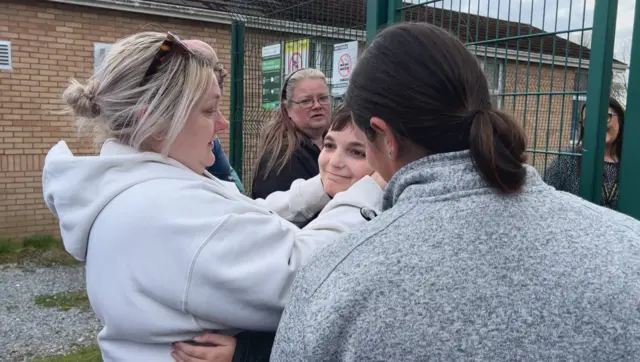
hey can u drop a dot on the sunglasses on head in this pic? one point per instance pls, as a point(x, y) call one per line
point(220, 73)
point(172, 44)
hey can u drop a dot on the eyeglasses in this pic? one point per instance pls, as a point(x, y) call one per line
point(171, 44)
point(308, 102)
point(609, 117)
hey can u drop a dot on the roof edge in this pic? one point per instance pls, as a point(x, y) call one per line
point(256, 22)
point(218, 17)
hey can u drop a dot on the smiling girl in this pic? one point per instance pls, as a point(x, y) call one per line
point(343, 159)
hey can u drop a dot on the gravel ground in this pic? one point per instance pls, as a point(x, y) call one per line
point(27, 330)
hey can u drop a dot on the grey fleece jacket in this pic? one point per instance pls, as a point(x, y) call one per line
point(454, 271)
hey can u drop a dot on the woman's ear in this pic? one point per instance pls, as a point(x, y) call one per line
point(386, 137)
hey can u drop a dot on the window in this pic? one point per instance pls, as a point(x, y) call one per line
point(580, 85)
point(5, 55)
point(494, 71)
point(99, 51)
point(321, 58)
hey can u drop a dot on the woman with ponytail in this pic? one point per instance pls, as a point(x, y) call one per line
point(473, 257)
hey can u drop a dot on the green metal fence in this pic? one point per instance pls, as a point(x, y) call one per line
point(270, 38)
point(540, 68)
point(536, 55)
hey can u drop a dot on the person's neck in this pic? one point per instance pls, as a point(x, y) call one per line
point(609, 155)
point(316, 138)
point(318, 142)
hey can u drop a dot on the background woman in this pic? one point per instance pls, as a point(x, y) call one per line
point(474, 257)
point(171, 251)
point(563, 173)
point(290, 143)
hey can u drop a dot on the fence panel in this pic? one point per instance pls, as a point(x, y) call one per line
point(630, 172)
point(279, 36)
point(537, 57)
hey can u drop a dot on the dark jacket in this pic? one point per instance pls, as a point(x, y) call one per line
point(562, 173)
point(221, 169)
point(302, 165)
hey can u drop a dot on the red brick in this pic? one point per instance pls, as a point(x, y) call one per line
point(52, 43)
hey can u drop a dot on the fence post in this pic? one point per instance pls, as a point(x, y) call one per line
point(381, 13)
point(598, 90)
point(237, 96)
point(629, 197)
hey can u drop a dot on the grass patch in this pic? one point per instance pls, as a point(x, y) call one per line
point(82, 354)
point(64, 300)
point(40, 250)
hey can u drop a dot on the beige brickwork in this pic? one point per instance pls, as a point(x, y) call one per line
point(546, 118)
point(52, 43)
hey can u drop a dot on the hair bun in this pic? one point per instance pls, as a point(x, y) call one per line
point(81, 98)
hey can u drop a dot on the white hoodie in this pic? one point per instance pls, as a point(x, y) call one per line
point(170, 253)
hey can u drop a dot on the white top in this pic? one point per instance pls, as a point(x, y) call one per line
point(170, 253)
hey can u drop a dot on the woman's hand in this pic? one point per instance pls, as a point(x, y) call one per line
point(221, 349)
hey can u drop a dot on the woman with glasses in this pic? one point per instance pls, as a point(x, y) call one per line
point(291, 141)
point(564, 172)
point(170, 250)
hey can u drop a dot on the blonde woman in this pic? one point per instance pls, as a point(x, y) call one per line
point(290, 143)
point(170, 250)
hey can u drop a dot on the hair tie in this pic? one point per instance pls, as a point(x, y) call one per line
point(473, 114)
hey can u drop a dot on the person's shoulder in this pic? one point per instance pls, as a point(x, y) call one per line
point(168, 198)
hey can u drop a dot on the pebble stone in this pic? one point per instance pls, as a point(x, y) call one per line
point(28, 330)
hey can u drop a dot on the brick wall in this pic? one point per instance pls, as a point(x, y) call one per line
point(52, 43)
point(545, 118)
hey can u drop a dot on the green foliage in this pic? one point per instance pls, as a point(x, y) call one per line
point(64, 300)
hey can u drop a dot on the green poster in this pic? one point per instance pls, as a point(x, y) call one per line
point(271, 76)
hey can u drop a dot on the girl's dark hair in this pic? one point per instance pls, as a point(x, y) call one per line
point(340, 118)
point(616, 145)
point(430, 90)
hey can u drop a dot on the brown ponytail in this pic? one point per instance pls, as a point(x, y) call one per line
point(497, 145)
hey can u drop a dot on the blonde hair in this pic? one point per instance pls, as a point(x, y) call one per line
point(115, 104)
point(280, 136)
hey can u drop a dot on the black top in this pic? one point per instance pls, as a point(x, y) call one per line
point(302, 165)
point(562, 173)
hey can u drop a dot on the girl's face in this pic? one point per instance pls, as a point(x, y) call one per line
point(613, 125)
point(343, 160)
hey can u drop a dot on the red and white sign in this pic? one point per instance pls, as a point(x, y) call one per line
point(344, 65)
point(296, 55)
point(295, 62)
point(344, 61)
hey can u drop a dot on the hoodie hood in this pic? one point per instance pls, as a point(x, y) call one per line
point(77, 188)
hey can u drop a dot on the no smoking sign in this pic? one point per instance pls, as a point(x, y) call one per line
point(295, 62)
point(345, 56)
point(345, 65)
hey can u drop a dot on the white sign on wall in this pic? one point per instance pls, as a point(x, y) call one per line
point(344, 60)
point(296, 55)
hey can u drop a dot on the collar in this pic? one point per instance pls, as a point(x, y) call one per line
point(440, 175)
